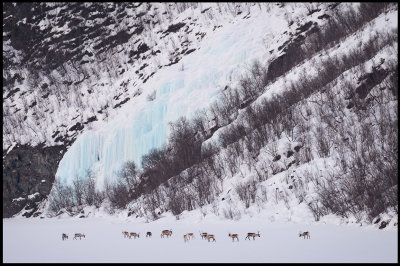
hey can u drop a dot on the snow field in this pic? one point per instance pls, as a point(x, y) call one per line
point(39, 240)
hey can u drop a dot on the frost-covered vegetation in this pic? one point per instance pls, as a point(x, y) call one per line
point(315, 125)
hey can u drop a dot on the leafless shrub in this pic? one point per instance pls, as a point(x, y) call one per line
point(231, 213)
point(128, 174)
point(323, 143)
point(61, 196)
point(203, 189)
point(232, 134)
point(285, 198)
point(316, 210)
point(118, 194)
point(78, 188)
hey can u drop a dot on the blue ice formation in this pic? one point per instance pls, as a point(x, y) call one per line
point(178, 93)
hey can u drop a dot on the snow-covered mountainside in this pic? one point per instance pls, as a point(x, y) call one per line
point(152, 109)
point(67, 66)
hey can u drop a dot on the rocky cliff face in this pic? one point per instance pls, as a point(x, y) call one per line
point(28, 175)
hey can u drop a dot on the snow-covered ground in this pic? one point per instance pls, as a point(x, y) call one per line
point(39, 240)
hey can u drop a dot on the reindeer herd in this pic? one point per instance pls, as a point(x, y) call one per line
point(65, 236)
point(187, 236)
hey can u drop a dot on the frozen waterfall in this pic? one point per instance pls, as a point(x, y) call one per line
point(141, 125)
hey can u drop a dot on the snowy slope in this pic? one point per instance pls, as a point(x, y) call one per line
point(282, 173)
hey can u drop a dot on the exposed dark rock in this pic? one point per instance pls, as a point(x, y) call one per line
point(12, 92)
point(313, 11)
point(305, 27)
point(46, 95)
point(91, 119)
point(324, 16)
point(173, 62)
point(292, 52)
point(383, 224)
point(350, 105)
point(78, 126)
point(297, 148)
point(144, 81)
point(332, 6)
point(174, 27)
point(36, 214)
point(291, 163)
point(28, 213)
point(143, 66)
point(121, 103)
point(190, 51)
point(24, 168)
point(369, 81)
point(142, 48)
point(276, 158)
point(204, 10)
point(33, 104)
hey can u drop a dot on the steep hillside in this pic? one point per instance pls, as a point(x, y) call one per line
point(316, 132)
point(68, 65)
point(231, 109)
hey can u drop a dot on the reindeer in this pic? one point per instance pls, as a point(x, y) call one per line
point(148, 234)
point(186, 238)
point(79, 235)
point(166, 232)
point(305, 234)
point(210, 237)
point(134, 235)
point(125, 234)
point(190, 235)
point(203, 235)
point(233, 236)
point(64, 236)
point(252, 235)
